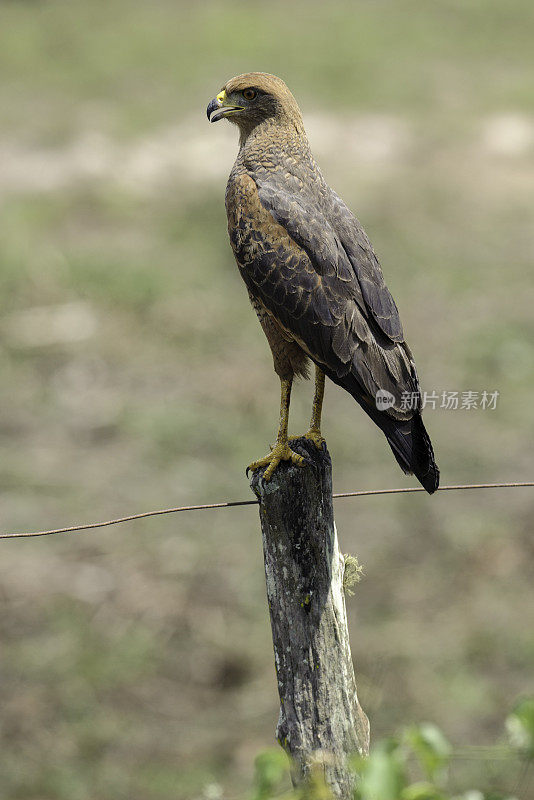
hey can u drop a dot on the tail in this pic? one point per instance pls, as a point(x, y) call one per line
point(412, 448)
point(408, 439)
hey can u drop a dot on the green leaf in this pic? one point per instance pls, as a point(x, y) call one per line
point(271, 768)
point(422, 791)
point(520, 727)
point(382, 774)
point(431, 748)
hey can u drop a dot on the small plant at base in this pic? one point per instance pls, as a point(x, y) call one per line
point(384, 774)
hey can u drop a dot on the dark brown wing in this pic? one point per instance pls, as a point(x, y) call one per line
point(311, 288)
point(333, 238)
point(359, 250)
point(296, 264)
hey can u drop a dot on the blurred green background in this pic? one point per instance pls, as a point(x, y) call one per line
point(136, 661)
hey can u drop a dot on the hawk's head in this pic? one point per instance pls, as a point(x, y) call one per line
point(252, 98)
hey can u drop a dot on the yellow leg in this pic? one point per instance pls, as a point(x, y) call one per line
point(281, 451)
point(317, 407)
point(314, 433)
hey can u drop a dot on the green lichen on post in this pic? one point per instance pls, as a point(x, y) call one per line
point(352, 574)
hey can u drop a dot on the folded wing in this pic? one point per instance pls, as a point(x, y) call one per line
point(311, 265)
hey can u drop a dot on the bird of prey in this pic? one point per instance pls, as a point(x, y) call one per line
point(313, 278)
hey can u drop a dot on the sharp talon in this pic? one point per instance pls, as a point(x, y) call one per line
point(280, 452)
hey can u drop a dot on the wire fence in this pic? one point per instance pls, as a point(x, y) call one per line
point(231, 504)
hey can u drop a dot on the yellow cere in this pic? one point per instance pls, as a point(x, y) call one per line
point(221, 97)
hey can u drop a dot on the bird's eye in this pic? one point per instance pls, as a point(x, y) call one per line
point(249, 94)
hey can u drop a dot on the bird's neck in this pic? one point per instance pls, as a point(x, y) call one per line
point(287, 135)
point(262, 147)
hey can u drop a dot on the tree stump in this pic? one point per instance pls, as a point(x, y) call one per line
point(321, 721)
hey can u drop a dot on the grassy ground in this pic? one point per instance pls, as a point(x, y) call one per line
point(136, 661)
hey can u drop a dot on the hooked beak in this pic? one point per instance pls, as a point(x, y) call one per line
point(218, 108)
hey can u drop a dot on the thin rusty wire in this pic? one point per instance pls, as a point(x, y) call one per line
point(230, 504)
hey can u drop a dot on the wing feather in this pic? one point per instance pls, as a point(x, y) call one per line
point(337, 244)
point(299, 269)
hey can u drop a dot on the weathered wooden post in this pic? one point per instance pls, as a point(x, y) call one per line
point(321, 720)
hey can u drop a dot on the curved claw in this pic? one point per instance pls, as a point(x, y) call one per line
point(280, 452)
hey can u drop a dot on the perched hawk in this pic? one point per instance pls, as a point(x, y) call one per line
point(313, 277)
